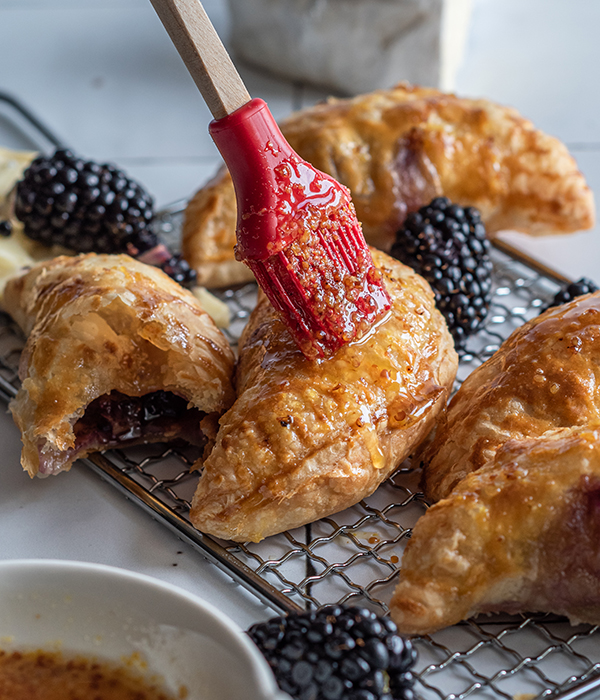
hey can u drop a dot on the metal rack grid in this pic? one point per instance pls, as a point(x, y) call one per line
point(353, 557)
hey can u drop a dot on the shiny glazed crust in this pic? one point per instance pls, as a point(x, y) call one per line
point(522, 534)
point(546, 375)
point(102, 323)
point(208, 235)
point(307, 439)
point(397, 149)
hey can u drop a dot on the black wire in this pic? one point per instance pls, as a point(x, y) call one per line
point(32, 119)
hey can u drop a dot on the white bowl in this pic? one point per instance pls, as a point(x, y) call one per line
point(112, 614)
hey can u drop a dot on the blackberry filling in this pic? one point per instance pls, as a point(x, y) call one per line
point(118, 420)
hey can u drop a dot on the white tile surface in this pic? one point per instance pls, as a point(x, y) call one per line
point(80, 517)
point(542, 57)
point(107, 81)
point(104, 76)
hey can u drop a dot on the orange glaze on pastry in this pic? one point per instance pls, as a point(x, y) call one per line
point(306, 439)
point(546, 375)
point(521, 534)
point(397, 149)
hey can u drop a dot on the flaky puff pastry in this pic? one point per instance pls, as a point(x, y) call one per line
point(306, 439)
point(396, 150)
point(546, 375)
point(103, 330)
point(522, 534)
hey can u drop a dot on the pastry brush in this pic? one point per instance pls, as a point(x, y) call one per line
point(297, 229)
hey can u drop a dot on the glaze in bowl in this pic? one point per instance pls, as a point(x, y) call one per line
point(119, 616)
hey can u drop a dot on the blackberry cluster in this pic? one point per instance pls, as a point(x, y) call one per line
point(83, 206)
point(337, 654)
point(447, 245)
point(86, 207)
point(572, 291)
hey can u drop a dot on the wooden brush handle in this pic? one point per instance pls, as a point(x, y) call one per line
point(204, 55)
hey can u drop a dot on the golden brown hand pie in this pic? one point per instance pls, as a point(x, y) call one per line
point(546, 375)
point(208, 235)
point(117, 353)
point(397, 149)
point(306, 439)
point(522, 534)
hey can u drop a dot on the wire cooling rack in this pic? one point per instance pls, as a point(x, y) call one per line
point(353, 557)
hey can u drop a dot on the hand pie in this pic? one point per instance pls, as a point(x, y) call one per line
point(546, 375)
point(117, 354)
point(208, 235)
point(306, 439)
point(522, 534)
point(396, 150)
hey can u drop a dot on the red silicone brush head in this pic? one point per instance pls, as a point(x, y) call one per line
point(298, 232)
point(323, 282)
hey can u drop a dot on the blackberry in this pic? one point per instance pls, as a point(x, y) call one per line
point(572, 291)
point(86, 207)
point(337, 654)
point(173, 265)
point(447, 245)
point(178, 268)
point(83, 206)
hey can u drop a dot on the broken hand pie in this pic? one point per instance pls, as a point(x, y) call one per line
point(306, 439)
point(117, 354)
point(545, 376)
point(396, 150)
point(521, 534)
